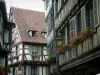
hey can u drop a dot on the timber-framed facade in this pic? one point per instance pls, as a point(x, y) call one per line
point(71, 19)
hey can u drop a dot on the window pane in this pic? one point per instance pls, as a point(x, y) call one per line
point(2, 61)
point(89, 15)
point(79, 24)
point(6, 36)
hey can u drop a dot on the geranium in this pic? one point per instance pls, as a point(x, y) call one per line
point(61, 49)
point(75, 41)
point(85, 33)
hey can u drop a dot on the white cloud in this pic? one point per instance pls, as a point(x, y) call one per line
point(37, 5)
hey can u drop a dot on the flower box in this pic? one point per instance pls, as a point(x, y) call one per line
point(61, 49)
point(85, 33)
point(75, 41)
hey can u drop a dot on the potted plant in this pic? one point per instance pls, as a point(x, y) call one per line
point(50, 59)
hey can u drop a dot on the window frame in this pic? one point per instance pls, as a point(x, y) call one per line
point(32, 33)
point(44, 35)
point(78, 22)
point(89, 11)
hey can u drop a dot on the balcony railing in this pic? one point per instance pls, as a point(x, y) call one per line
point(6, 46)
point(84, 48)
point(64, 12)
point(37, 59)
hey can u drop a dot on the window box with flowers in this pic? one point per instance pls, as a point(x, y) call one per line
point(61, 49)
point(50, 60)
point(75, 41)
point(85, 33)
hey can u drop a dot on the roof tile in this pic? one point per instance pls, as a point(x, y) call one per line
point(30, 20)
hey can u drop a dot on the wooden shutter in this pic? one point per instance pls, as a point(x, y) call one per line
point(95, 12)
point(83, 17)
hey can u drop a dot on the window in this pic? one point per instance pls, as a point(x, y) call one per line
point(2, 61)
point(45, 50)
point(32, 33)
point(1, 23)
point(1, 29)
point(68, 33)
point(51, 49)
point(44, 35)
point(89, 15)
point(96, 13)
point(47, 3)
point(34, 70)
point(79, 24)
point(56, 6)
point(49, 22)
point(28, 70)
point(6, 36)
point(33, 50)
point(73, 27)
point(11, 18)
point(63, 35)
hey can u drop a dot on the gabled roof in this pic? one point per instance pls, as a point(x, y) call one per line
point(29, 20)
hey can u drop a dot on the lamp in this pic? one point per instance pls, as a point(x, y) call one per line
point(58, 41)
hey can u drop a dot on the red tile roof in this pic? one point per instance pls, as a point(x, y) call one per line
point(30, 20)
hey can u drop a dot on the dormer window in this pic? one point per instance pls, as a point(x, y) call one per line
point(44, 34)
point(32, 33)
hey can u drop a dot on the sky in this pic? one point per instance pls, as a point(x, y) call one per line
point(37, 5)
